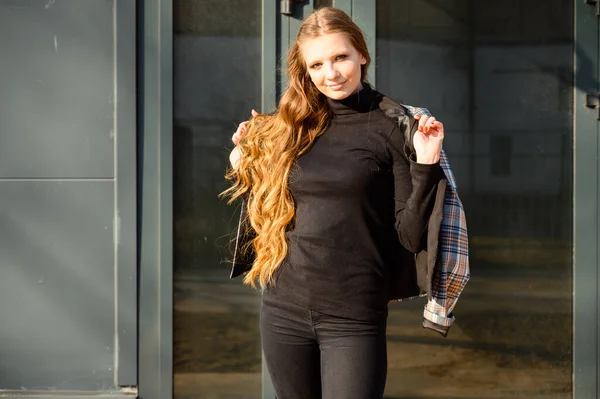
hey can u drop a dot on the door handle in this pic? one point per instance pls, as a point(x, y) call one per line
point(593, 101)
point(594, 2)
point(287, 6)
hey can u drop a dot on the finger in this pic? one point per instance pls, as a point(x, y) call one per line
point(436, 130)
point(254, 113)
point(436, 125)
point(242, 128)
point(429, 124)
point(422, 122)
point(440, 129)
point(234, 157)
point(236, 138)
point(239, 132)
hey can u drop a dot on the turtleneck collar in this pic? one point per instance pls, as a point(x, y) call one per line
point(361, 101)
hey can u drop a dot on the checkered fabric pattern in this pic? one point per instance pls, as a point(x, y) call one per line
point(451, 273)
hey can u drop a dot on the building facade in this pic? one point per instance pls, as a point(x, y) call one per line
point(115, 126)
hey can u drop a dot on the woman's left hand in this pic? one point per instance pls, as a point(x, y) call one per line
point(428, 139)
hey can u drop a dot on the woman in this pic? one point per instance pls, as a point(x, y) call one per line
point(337, 205)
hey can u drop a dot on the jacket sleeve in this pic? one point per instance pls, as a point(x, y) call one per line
point(415, 186)
point(243, 253)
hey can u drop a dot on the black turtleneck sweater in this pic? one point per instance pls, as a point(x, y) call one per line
point(361, 208)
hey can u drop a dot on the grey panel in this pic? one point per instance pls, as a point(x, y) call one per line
point(57, 103)
point(57, 285)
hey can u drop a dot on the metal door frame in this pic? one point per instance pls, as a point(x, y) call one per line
point(585, 205)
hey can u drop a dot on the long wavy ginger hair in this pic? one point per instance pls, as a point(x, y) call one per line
point(273, 142)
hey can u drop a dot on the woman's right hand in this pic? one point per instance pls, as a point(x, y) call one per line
point(234, 156)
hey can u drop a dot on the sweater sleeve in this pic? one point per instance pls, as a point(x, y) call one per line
point(415, 187)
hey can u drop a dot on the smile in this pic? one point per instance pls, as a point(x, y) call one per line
point(336, 86)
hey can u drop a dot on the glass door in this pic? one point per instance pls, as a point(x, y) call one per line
point(500, 77)
point(217, 81)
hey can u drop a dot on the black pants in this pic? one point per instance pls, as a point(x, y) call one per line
point(311, 355)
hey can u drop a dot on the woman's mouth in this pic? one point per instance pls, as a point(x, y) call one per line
point(336, 86)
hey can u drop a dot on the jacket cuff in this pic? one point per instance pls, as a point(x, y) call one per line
point(435, 327)
point(434, 318)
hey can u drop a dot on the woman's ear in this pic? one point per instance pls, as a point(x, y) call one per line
point(363, 60)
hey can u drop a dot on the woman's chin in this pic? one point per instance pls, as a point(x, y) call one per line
point(337, 94)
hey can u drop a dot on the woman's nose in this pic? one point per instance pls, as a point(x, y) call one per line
point(331, 72)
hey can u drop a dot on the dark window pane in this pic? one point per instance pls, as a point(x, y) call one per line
point(499, 75)
point(500, 155)
point(216, 84)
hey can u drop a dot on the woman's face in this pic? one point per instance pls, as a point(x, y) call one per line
point(333, 65)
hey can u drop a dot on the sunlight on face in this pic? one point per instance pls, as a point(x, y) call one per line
point(333, 64)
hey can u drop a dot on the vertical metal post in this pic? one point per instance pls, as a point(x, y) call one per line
point(155, 126)
point(269, 56)
point(585, 207)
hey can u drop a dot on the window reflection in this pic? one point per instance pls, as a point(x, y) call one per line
point(498, 75)
point(216, 84)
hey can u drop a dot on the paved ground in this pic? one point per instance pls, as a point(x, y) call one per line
point(512, 339)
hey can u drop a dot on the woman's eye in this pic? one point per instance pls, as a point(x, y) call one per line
point(315, 66)
point(341, 57)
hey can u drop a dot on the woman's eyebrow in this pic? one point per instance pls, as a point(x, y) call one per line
point(330, 55)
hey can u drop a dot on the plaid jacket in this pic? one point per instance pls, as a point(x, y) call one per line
point(446, 260)
point(442, 268)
